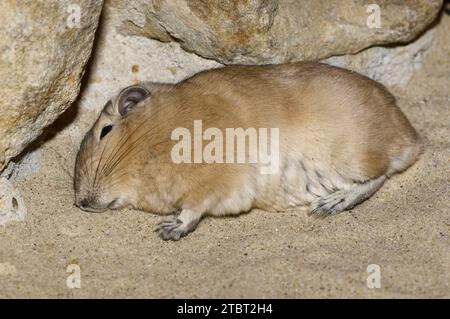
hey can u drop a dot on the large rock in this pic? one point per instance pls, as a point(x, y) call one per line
point(277, 31)
point(393, 66)
point(44, 47)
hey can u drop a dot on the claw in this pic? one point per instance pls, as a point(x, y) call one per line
point(175, 222)
point(171, 229)
point(178, 226)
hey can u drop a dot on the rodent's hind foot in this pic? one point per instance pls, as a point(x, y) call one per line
point(345, 199)
point(179, 226)
point(329, 205)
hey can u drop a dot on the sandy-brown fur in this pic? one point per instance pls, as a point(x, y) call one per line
point(341, 124)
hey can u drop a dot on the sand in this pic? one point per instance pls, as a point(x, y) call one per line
point(403, 228)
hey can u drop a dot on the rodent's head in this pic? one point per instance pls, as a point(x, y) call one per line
point(101, 178)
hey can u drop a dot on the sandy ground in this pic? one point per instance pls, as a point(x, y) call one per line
point(404, 229)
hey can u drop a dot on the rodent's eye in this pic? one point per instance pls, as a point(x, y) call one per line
point(105, 131)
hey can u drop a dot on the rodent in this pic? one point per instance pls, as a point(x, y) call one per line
point(341, 135)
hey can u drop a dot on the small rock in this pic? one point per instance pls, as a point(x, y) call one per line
point(27, 165)
point(12, 206)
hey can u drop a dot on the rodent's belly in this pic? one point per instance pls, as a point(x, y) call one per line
point(296, 185)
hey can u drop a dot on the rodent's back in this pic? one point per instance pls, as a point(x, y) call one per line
point(306, 97)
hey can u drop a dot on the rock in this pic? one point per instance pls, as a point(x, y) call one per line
point(276, 31)
point(392, 66)
point(20, 168)
point(12, 206)
point(44, 47)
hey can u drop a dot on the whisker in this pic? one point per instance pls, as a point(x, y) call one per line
point(120, 145)
point(127, 151)
point(99, 163)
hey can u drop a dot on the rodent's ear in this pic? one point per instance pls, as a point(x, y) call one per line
point(130, 97)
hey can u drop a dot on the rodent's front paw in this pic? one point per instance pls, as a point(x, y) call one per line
point(172, 229)
point(178, 226)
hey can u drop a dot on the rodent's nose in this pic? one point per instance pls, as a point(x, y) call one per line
point(89, 205)
point(84, 203)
